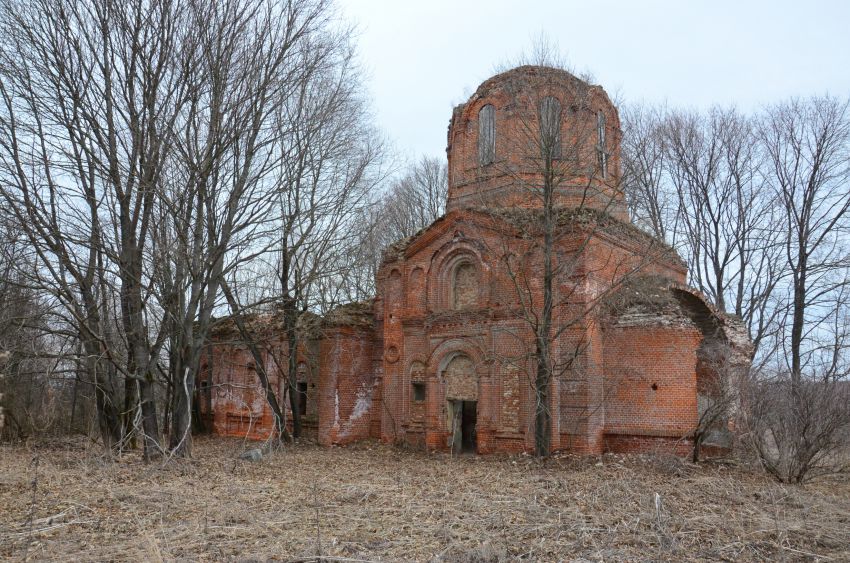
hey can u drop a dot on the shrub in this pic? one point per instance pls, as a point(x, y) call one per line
point(798, 430)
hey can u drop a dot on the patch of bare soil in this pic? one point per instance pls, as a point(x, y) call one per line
point(376, 503)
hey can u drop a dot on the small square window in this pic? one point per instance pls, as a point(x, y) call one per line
point(418, 391)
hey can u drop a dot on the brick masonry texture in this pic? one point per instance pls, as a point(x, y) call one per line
point(446, 344)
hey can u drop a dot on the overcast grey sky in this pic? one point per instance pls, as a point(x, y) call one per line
point(423, 57)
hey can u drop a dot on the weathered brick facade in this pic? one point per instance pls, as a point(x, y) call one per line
point(443, 357)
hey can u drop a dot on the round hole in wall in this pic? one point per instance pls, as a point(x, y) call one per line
point(655, 387)
point(391, 355)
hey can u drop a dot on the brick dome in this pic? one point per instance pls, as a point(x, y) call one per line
point(497, 143)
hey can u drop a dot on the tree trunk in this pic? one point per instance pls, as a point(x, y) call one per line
point(184, 390)
point(697, 445)
point(168, 404)
point(131, 403)
point(543, 417)
point(290, 316)
point(150, 425)
point(798, 320)
point(108, 419)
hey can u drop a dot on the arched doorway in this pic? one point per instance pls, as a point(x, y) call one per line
point(462, 397)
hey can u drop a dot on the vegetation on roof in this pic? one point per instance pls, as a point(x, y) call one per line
point(355, 314)
point(269, 325)
point(645, 294)
point(527, 223)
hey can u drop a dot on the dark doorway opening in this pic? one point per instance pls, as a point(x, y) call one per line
point(468, 419)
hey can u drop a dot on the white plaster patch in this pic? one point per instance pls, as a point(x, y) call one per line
point(362, 405)
point(336, 409)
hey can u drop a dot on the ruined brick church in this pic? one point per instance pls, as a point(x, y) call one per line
point(443, 358)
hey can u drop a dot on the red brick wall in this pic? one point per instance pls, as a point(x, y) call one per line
point(422, 328)
point(602, 398)
point(238, 400)
point(347, 385)
point(633, 444)
point(650, 377)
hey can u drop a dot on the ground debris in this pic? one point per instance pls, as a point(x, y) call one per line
point(255, 454)
point(370, 502)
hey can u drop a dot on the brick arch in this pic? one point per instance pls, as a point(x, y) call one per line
point(413, 360)
point(444, 264)
point(460, 378)
point(439, 360)
point(464, 285)
point(720, 360)
point(714, 323)
point(724, 338)
point(446, 351)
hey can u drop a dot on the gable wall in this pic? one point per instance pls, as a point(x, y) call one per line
point(422, 332)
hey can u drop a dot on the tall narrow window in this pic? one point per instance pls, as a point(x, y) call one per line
point(486, 135)
point(550, 127)
point(301, 388)
point(601, 147)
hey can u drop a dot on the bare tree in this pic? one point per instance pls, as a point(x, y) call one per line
point(95, 90)
point(807, 146)
point(651, 205)
point(221, 203)
point(58, 153)
point(143, 145)
point(698, 180)
point(413, 200)
point(31, 384)
point(727, 218)
point(322, 182)
point(761, 215)
point(325, 162)
point(4, 357)
point(796, 414)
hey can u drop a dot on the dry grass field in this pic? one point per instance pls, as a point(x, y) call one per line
point(63, 501)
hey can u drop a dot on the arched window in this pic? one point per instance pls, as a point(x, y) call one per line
point(464, 286)
point(417, 382)
point(486, 135)
point(601, 149)
point(461, 379)
point(550, 127)
point(301, 387)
